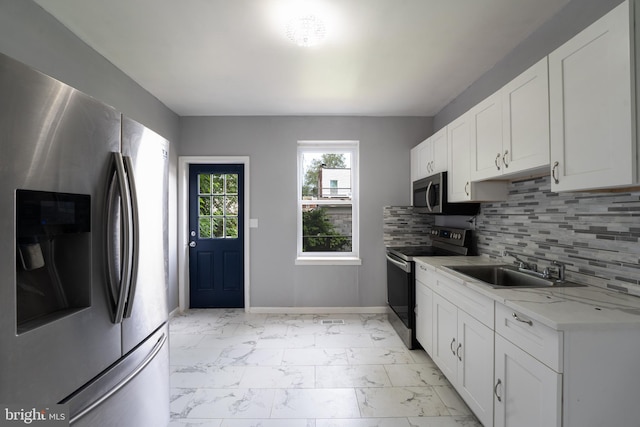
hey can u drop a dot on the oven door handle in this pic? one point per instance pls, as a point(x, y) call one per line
point(403, 265)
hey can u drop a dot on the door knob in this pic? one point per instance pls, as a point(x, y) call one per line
point(192, 244)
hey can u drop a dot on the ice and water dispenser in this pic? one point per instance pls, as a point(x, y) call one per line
point(53, 256)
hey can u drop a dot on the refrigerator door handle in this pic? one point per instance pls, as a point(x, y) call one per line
point(135, 221)
point(148, 359)
point(119, 286)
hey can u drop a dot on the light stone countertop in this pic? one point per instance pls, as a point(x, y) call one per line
point(561, 308)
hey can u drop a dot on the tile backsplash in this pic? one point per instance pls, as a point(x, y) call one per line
point(597, 235)
point(404, 227)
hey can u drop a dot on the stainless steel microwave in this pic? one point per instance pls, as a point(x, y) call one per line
point(430, 194)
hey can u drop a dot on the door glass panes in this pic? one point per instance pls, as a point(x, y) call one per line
point(218, 206)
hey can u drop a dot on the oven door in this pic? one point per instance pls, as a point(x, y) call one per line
point(399, 283)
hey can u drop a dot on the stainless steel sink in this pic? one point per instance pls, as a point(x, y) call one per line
point(506, 276)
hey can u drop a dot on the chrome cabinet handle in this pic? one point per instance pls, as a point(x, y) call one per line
point(453, 343)
point(465, 188)
point(497, 161)
point(515, 316)
point(458, 352)
point(495, 390)
point(504, 158)
point(553, 172)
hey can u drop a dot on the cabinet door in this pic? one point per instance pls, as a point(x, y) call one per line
point(526, 392)
point(439, 150)
point(525, 112)
point(475, 366)
point(424, 317)
point(459, 185)
point(445, 341)
point(415, 164)
point(421, 160)
point(591, 104)
point(486, 138)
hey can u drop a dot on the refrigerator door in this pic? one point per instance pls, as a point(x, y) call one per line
point(56, 142)
point(146, 308)
point(132, 393)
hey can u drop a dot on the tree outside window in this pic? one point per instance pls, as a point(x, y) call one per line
point(326, 221)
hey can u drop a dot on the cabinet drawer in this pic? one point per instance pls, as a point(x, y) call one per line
point(424, 275)
point(477, 305)
point(540, 341)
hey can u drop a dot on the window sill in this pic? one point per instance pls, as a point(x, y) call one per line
point(328, 261)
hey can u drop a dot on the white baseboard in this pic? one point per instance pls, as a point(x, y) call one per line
point(319, 310)
point(174, 312)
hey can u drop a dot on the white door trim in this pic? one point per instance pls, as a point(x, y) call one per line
point(183, 222)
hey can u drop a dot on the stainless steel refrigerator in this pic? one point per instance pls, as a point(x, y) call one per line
point(83, 255)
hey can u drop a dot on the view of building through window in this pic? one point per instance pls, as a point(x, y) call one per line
point(327, 200)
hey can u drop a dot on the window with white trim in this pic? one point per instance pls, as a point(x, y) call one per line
point(328, 202)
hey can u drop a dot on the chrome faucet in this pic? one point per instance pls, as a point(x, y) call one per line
point(523, 265)
point(560, 270)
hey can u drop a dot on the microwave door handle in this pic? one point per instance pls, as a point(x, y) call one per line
point(427, 196)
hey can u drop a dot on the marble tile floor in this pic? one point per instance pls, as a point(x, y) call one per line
point(235, 369)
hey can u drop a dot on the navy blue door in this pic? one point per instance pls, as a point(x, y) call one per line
point(216, 241)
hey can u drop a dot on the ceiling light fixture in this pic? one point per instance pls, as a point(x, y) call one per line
point(306, 30)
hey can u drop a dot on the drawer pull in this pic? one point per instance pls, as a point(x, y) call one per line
point(458, 352)
point(528, 322)
point(453, 343)
point(495, 390)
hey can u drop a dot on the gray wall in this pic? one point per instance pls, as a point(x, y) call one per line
point(271, 143)
point(32, 36)
point(573, 18)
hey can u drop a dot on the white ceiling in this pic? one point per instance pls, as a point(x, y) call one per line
point(231, 57)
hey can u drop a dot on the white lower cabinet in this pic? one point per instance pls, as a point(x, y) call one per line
point(424, 310)
point(514, 370)
point(527, 392)
point(463, 349)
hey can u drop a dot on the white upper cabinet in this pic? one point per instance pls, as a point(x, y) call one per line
point(430, 156)
point(459, 185)
point(439, 151)
point(510, 129)
point(458, 176)
point(415, 162)
point(486, 138)
point(525, 113)
point(592, 82)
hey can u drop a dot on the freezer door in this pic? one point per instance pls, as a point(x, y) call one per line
point(132, 393)
point(54, 140)
point(146, 308)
